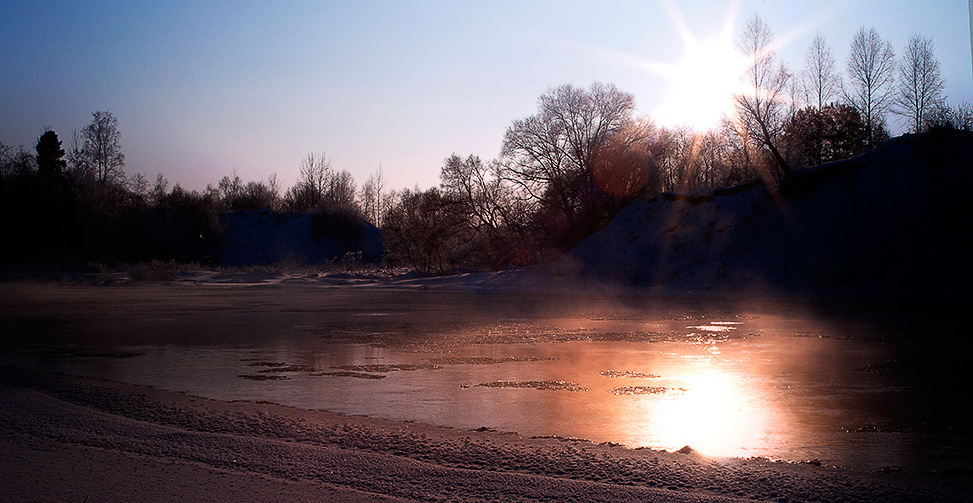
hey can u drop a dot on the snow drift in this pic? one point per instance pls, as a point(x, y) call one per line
point(892, 223)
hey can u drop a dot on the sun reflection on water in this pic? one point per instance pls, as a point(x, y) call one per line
point(712, 412)
point(712, 328)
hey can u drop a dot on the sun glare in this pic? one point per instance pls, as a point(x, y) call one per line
point(702, 86)
point(702, 82)
point(713, 415)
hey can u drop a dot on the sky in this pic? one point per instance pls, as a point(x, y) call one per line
point(203, 89)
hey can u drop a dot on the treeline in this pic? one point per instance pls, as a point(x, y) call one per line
point(78, 206)
point(563, 172)
point(567, 170)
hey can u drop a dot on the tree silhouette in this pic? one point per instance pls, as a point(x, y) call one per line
point(424, 231)
point(819, 81)
point(871, 74)
point(312, 185)
point(942, 116)
point(50, 162)
point(373, 198)
point(761, 108)
point(830, 133)
point(920, 87)
point(550, 157)
point(546, 152)
point(102, 147)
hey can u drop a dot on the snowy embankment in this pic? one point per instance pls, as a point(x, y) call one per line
point(75, 439)
point(893, 223)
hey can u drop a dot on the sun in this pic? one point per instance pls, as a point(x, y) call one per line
point(702, 85)
point(701, 80)
point(705, 78)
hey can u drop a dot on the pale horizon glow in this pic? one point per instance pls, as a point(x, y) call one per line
point(210, 89)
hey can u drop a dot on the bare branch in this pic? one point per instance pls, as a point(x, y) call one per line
point(920, 86)
point(871, 72)
point(762, 108)
point(819, 81)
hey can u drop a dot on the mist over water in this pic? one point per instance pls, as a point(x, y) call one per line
point(728, 379)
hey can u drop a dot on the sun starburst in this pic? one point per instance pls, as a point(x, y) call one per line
point(703, 82)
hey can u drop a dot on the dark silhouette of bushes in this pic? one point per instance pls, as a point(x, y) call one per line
point(70, 218)
point(346, 231)
point(423, 231)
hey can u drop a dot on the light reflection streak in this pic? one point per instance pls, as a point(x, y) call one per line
point(712, 328)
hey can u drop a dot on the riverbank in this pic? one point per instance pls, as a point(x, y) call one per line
point(74, 439)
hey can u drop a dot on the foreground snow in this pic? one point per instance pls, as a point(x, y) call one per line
point(71, 439)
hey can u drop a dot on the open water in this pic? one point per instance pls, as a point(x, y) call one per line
point(786, 381)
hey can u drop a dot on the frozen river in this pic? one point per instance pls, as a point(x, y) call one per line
point(728, 379)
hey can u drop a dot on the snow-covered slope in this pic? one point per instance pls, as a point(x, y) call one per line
point(895, 222)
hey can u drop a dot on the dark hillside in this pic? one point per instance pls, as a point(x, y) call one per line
point(895, 222)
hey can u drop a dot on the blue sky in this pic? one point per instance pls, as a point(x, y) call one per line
point(204, 89)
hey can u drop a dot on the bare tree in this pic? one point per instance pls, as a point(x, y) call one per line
point(229, 190)
point(102, 149)
point(762, 108)
point(470, 181)
point(6, 152)
point(920, 87)
point(944, 116)
point(819, 81)
point(138, 184)
point(550, 159)
point(273, 186)
point(871, 74)
point(315, 172)
point(552, 153)
point(77, 163)
point(159, 191)
point(340, 194)
point(372, 197)
point(16, 161)
point(312, 184)
point(627, 168)
point(690, 160)
point(494, 217)
point(424, 231)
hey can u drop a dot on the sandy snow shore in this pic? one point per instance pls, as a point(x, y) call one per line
point(75, 439)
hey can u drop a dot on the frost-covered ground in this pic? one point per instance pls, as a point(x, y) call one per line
point(73, 439)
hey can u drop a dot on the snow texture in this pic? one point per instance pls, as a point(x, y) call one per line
point(362, 459)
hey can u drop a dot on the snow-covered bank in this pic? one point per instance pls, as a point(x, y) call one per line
point(220, 449)
point(893, 223)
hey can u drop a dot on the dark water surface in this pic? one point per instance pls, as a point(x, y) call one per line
point(883, 386)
